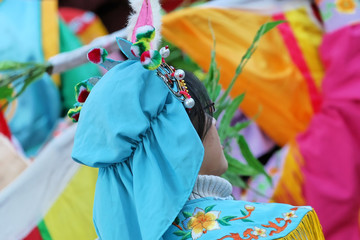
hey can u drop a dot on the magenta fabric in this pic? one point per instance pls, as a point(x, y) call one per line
point(331, 144)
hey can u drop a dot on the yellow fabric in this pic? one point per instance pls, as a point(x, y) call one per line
point(309, 37)
point(71, 216)
point(50, 32)
point(308, 228)
point(270, 79)
point(96, 29)
point(289, 188)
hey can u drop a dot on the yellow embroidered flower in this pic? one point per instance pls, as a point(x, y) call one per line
point(346, 6)
point(289, 215)
point(259, 232)
point(201, 222)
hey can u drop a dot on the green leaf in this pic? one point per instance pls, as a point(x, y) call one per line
point(6, 92)
point(177, 221)
point(241, 125)
point(216, 93)
point(234, 179)
point(34, 74)
point(19, 76)
point(249, 157)
point(229, 115)
point(240, 168)
point(266, 27)
point(228, 218)
point(11, 65)
point(186, 214)
point(263, 29)
point(222, 222)
point(209, 208)
point(180, 233)
point(187, 236)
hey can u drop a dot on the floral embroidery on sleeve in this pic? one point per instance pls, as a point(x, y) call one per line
point(197, 224)
point(201, 221)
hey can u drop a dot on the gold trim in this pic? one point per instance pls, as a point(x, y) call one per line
point(308, 228)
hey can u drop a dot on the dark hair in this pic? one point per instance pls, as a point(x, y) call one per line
point(201, 114)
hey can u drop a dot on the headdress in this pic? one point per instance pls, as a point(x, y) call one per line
point(143, 37)
point(134, 128)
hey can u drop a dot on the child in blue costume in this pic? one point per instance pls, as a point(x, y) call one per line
point(149, 130)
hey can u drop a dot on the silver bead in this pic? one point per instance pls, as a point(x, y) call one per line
point(179, 74)
point(165, 51)
point(189, 103)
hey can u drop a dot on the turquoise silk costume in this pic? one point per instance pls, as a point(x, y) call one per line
point(134, 127)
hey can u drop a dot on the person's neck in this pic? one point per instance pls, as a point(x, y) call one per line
point(211, 186)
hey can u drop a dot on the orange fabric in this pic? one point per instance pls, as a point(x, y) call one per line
point(289, 188)
point(309, 38)
point(271, 81)
point(94, 30)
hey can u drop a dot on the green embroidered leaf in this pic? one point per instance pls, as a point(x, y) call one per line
point(243, 212)
point(187, 236)
point(186, 214)
point(228, 218)
point(209, 208)
point(177, 221)
point(246, 220)
point(223, 222)
point(180, 233)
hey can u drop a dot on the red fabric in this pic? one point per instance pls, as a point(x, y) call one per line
point(79, 16)
point(331, 144)
point(4, 129)
point(34, 235)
